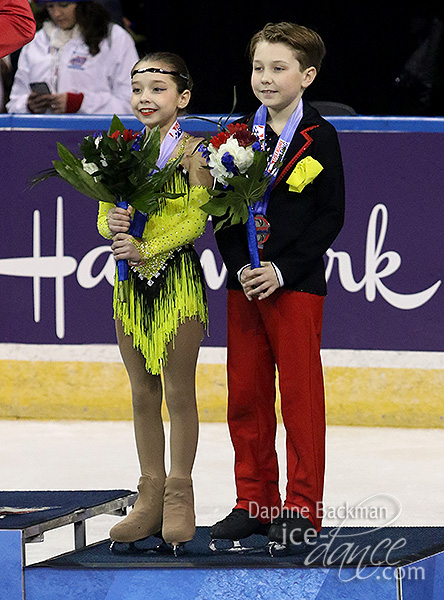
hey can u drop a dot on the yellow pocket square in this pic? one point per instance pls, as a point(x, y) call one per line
point(303, 173)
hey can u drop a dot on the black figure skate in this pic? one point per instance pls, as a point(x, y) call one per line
point(290, 533)
point(227, 535)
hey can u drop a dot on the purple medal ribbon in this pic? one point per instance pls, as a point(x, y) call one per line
point(174, 134)
point(259, 123)
point(258, 210)
point(167, 146)
point(260, 207)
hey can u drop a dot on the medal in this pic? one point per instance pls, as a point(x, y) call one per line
point(262, 230)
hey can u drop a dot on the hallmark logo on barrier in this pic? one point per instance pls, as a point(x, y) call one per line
point(374, 257)
point(60, 266)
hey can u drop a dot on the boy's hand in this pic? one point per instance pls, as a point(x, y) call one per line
point(119, 219)
point(259, 283)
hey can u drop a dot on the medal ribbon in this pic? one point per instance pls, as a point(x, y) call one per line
point(259, 123)
point(174, 134)
point(170, 141)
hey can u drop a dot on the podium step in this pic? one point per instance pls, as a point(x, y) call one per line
point(385, 563)
point(344, 563)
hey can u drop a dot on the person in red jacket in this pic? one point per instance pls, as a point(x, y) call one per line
point(17, 25)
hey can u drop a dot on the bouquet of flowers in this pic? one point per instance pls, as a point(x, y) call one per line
point(238, 164)
point(117, 166)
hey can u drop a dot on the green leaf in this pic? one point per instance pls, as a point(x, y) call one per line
point(212, 207)
point(71, 170)
point(116, 125)
point(66, 156)
point(150, 148)
point(70, 177)
point(42, 176)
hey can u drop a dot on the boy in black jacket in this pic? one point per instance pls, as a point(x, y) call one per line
point(275, 311)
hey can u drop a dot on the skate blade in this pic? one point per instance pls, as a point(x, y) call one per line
point(277, 549)
point(136, 547)
point(222, 546)
point(178, 550)
point(175, 549)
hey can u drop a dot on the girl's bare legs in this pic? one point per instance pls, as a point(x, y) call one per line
point(146, 517)
point(180, 392)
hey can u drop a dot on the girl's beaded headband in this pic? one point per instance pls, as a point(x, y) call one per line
point(163, 71)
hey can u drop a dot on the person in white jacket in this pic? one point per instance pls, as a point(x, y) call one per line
point(84, 60)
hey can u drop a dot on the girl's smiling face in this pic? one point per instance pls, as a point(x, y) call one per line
point(155, 98)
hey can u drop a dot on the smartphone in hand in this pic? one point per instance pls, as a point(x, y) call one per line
point(40, 87)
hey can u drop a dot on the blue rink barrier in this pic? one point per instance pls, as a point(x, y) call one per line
point(196, 122)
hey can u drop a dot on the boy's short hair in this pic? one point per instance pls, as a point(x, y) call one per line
point(306, 43)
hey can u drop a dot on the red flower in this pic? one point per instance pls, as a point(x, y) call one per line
point(235, 127)
point(245, 138)
point(219, 139)
point(239, 131)
point(127, 135)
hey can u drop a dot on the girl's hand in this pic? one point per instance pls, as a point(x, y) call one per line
point(39, 103)
point(124, 249)
point(119, 219)
point(259, 283)
point(58, 103)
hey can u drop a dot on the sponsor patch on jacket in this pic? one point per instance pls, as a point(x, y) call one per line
point(77, 61)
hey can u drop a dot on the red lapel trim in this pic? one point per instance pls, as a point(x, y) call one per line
point(309, 139)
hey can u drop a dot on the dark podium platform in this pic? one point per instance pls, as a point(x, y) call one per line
point(387, 563)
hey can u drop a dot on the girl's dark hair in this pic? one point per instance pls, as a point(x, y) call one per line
point(92, 19)
point(172, 62)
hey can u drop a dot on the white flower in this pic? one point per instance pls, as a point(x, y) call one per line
point(217, 170)
point(90, 168)
point(243, 158)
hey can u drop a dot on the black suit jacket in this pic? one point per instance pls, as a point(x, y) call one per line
point(302, 224)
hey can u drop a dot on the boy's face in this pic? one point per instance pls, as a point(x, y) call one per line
point(277, 79)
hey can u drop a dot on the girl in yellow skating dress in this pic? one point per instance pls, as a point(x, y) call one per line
point(160, 326)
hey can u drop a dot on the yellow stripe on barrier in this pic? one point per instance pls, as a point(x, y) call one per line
point(394, 397)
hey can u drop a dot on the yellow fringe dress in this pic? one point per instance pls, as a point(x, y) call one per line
point(168, 286)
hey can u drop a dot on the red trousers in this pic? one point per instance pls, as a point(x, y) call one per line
point(283, 330)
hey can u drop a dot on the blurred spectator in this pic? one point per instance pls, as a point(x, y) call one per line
point(114, 8)
point(5, 76)
point(17, 25)
point(419, 87)
point(79, 62)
